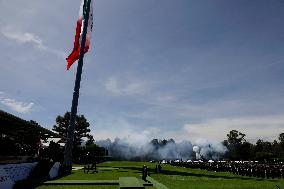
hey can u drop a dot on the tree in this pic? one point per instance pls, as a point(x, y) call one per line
point(281, 145)
point(81, 127)
point(234, 143)
point(235, 137)
point(34, 122)
point(90, 141)
point(281, 138)
point(246, 151)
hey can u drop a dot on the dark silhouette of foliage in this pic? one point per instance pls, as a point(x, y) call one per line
point(240, 149)
point(81, 128)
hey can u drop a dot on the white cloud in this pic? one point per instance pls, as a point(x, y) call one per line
point(165, 99)
point(30, 38)
point(264, 127)
point(24, 37)
point(122, 128)
point(21, 107)
point(125, 87)
point(129, 135)
point(135, 133)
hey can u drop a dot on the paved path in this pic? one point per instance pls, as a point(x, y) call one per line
point(76, 168)
point(82, 182)
point(156, 184)
point(99, 168)
point(123, 182)
point(130, 182)
point(107, 168)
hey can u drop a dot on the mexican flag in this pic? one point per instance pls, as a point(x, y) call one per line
point(75, 54)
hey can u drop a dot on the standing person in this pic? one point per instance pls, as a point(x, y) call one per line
point(156, 169)
point(144, 173)
point(159, 167)
point(94, 167)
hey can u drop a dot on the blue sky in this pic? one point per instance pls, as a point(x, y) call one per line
point(162, 69)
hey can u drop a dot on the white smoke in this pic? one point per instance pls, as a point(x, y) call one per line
point(196, 149)
point(208, 149)
point(125, 148)
point(137, 148)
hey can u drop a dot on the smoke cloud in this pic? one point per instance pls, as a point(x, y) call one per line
point(137, 148)
point(208, 150)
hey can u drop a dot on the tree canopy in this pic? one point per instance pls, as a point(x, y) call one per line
point(81, 128)
point(240, 149)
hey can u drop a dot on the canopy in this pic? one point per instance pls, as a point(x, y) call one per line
point(11, 125)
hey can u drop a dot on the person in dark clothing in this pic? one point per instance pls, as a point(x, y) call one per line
point(159, 168)
point(144, 173)
point(93, 168)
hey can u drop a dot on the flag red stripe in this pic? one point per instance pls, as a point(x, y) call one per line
point(75, 54)
point(76, 50)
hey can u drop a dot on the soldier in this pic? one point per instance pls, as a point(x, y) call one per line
point(159, 168)
point(94, 167)
point(144, 173)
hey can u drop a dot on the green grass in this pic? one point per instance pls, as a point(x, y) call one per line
point(184, 178)
point(127, 169)
point(172, 177)
point(82, 187)
point(79, 187)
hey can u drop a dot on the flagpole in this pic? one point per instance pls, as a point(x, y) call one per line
point(71, 128)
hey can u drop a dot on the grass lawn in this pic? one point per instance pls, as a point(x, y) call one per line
point(184, 178)
point(83, 187)
point(126, 169)
point(79, 187)
point(172, 177)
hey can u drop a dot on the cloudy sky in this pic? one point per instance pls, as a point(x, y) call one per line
point(182, 69)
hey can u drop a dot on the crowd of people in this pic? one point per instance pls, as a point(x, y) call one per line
point(243, 168)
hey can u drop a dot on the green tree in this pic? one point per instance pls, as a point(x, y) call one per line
point(81, 127)
point(246, 151)
point(234, 144)
point(90, 141)
point(265, 150)
point(34, 122)
point(281, 138)
point(281, 145)
point(235, 137)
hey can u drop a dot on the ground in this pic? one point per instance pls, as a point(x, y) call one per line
point(172, 177)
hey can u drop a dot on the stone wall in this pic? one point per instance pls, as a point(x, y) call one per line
point(10, 173)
